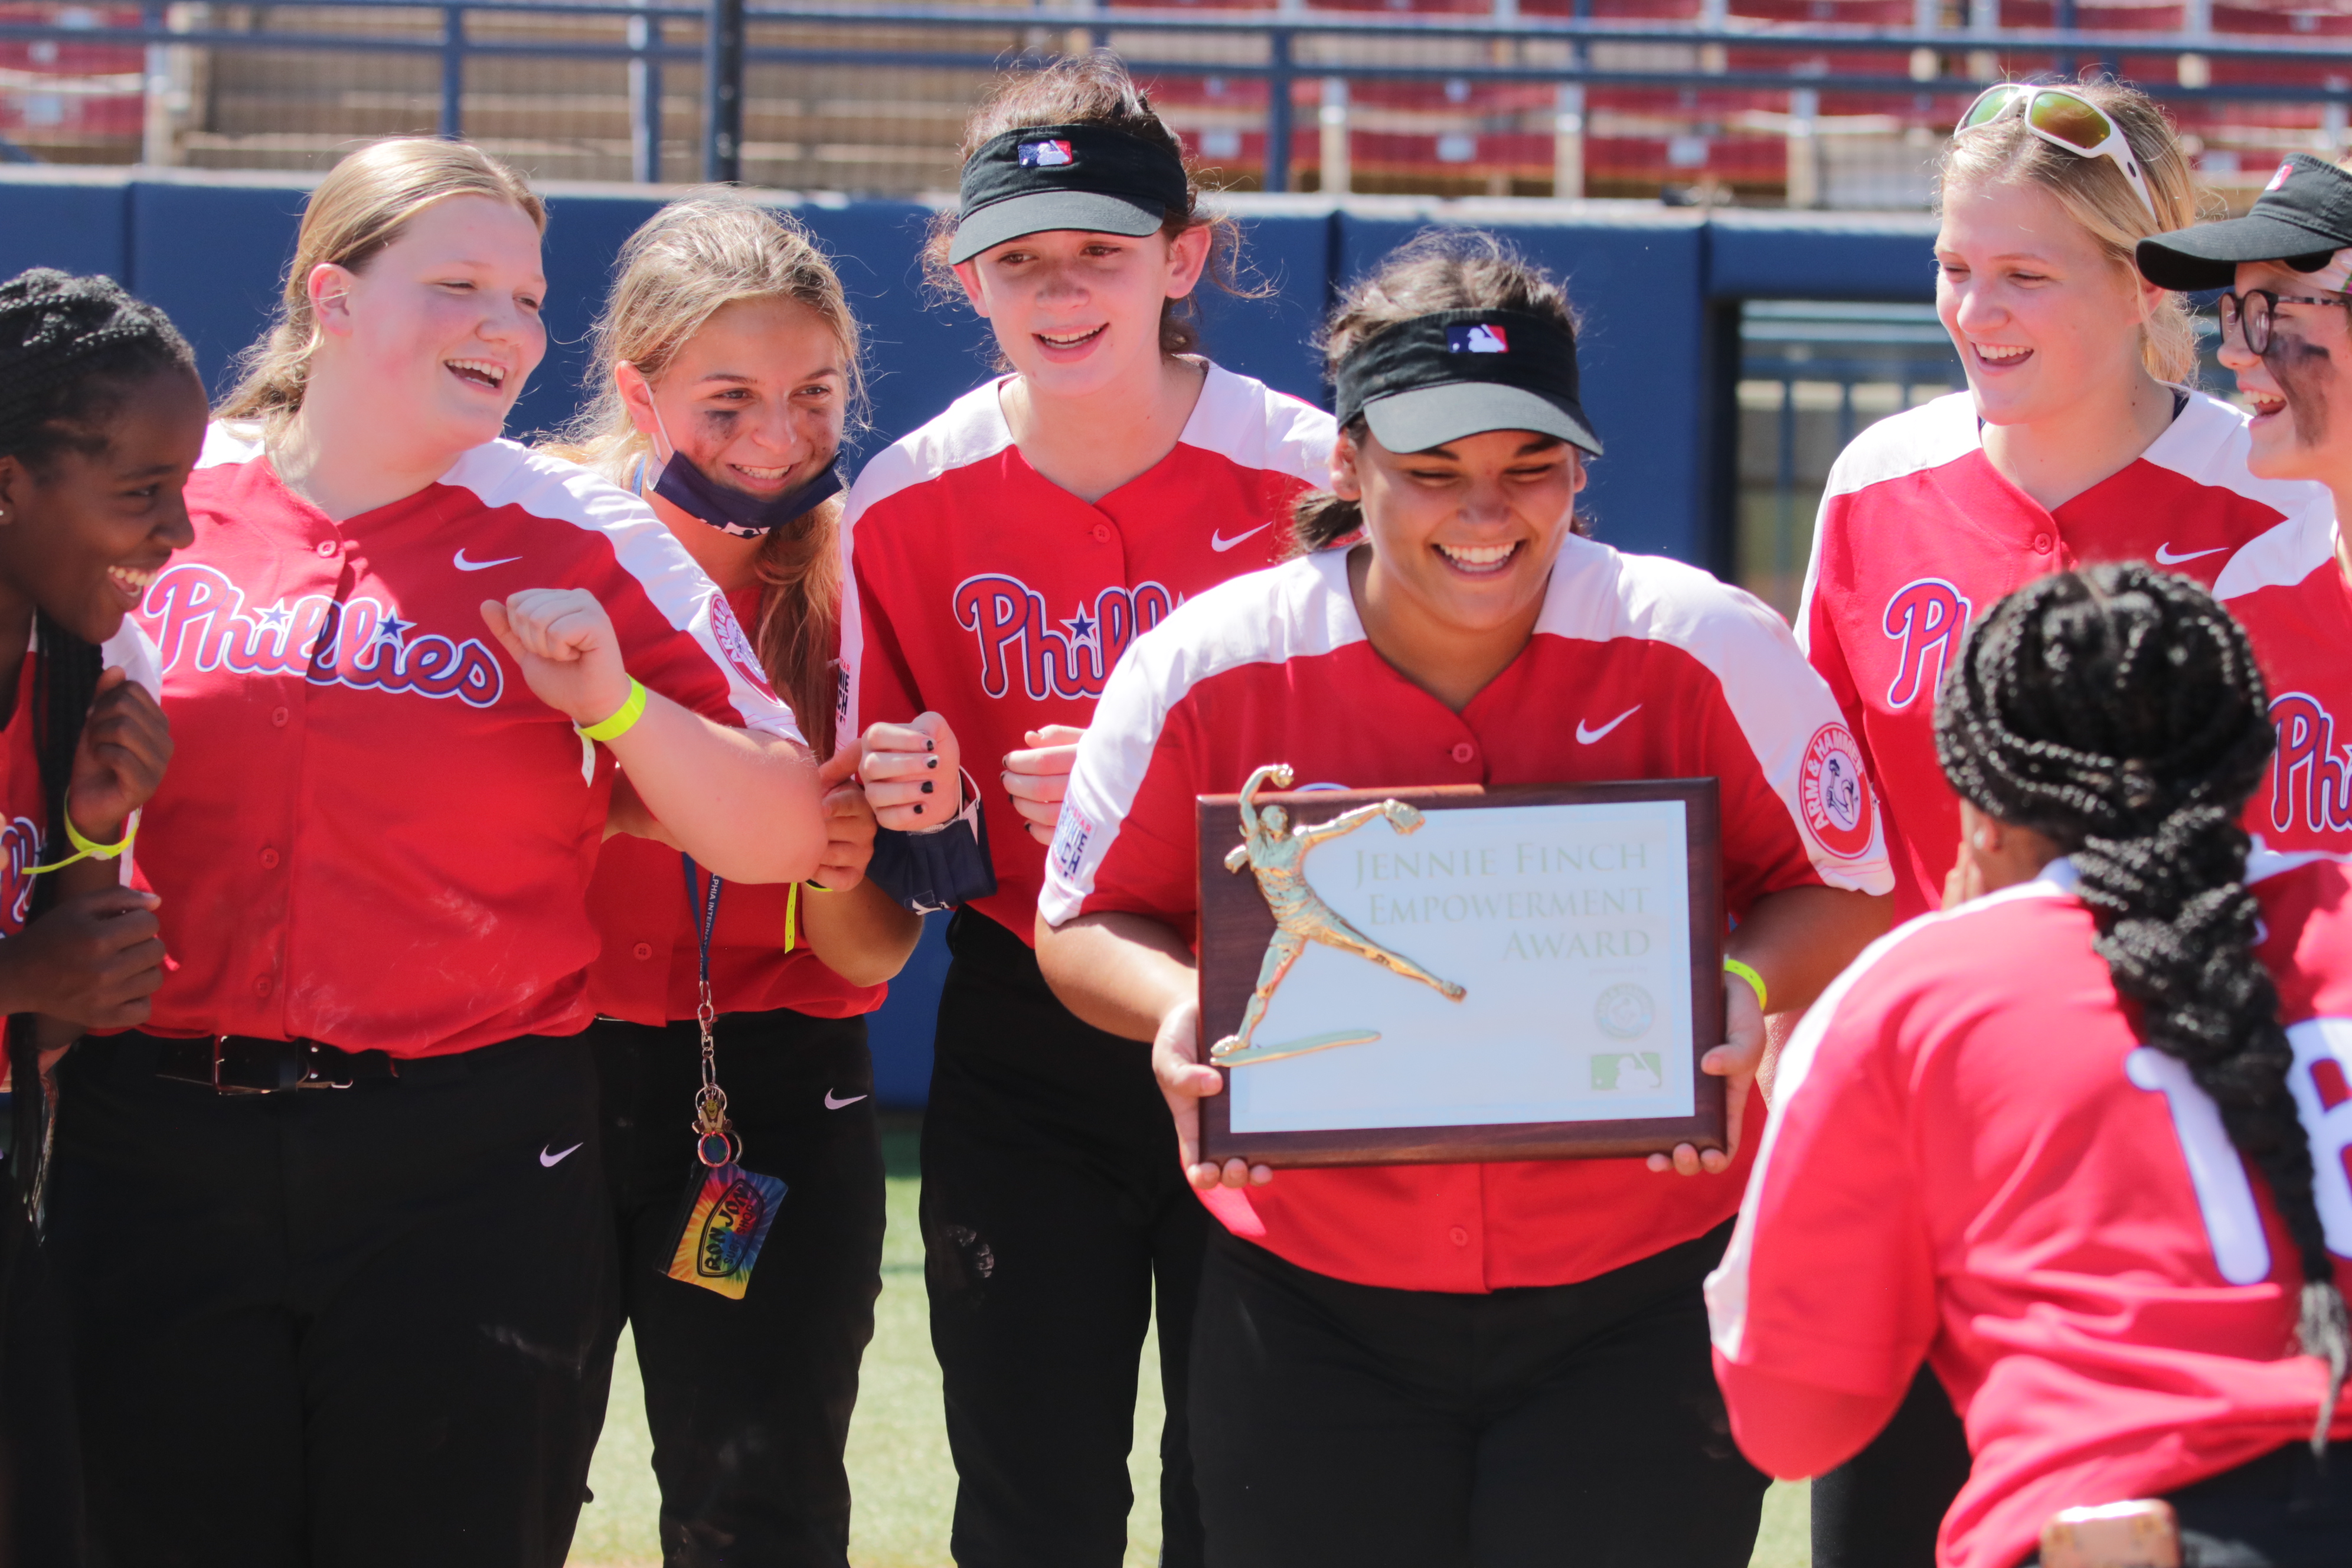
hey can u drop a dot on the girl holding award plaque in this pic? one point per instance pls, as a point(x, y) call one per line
point(1471, 1362)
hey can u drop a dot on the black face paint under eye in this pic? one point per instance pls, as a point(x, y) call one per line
point(2306, 375)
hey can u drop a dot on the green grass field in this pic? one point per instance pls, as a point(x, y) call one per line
point(898, 1466)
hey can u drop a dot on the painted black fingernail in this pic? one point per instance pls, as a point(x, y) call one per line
point(931, 763)
point(931, 746)
point(918, 808)
point(927, 786)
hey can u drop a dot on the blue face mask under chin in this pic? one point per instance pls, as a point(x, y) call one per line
point(730, 510)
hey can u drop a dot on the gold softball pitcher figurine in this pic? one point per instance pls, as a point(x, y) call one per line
point(1277, 855)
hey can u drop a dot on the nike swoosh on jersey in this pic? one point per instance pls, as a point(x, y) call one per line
point(1220, 543)
point(1585, 737)
point(2165, 557)
point(833, 1104)
point(462, 564)
point(551, 1160)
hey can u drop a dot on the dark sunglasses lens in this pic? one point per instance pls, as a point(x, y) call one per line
point(1988, 109)
point(2071, 119)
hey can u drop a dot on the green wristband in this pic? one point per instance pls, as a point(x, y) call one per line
point(1755, 980)
point(623, 719)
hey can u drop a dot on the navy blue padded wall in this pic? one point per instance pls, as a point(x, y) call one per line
point(1642, 352)
point(213, 256)
point(923, 353)
point(1883, 256)
point(74, 225)
point(1289, 255)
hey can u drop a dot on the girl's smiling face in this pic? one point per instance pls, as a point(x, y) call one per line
point(1078, 313)
point(1465, 533)
point(2044, 317)
point(2293, 388)
point(442, 324)
point(756, 399)
point(83, 534)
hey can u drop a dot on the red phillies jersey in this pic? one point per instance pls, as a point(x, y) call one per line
point(2288, 591)
point(371, 833)
point(1919, 533)
point(1974, 1159)
point(995, 597)
point(1640, 667)
point(650, 969)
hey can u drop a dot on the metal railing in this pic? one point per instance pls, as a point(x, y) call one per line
point(1567, 45)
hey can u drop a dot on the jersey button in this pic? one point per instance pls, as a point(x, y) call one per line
point(278, 716)
point(1102, 534)
point(644, 950)
point(327, 547)
point(261, 985)
point(2042, 543)
point(1461, 1237)
point(1463, 751)
point(269, 859)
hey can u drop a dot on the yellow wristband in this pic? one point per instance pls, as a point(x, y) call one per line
point(1755, 980)
point(86, 850)
point(623, 719)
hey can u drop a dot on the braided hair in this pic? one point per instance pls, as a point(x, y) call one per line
point(2118, 710)
point(71, 350)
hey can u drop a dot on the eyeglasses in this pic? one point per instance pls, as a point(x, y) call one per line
point(2063, 118)
point(2249, 314)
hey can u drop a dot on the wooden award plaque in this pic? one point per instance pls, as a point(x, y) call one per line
point(1515, 973)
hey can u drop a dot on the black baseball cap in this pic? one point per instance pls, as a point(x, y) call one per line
point(2303, 217)
point(1042, 177)
point(1437, 378)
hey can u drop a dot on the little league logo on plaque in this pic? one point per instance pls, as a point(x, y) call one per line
point(1401, 975)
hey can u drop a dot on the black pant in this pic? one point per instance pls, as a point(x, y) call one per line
point(339, 1328)
point(1362, 1427)
point(750, 1400)
point(1882, 1508)
point(2284, 1509)
point(1053, 1204)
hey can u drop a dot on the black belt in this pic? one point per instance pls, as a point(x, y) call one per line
point(241, 1064)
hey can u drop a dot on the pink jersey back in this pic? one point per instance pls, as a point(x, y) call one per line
point(983, 592)
point(1918, 533)
point(1974, 1159)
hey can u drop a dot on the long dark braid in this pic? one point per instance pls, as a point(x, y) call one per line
point(2119, 712)
point(69, 350)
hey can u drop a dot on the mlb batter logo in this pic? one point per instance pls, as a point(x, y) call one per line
point(1477, 338)
point(1835, 795)
point(2285, 171)
point(1051, 154)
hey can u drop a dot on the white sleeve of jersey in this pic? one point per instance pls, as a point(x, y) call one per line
point(1112, 759)
point(501, 473)
point(132, 651)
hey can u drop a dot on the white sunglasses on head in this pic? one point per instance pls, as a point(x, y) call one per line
point(2063, 118)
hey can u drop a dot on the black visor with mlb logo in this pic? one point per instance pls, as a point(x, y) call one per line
point(2301, 220)
point(1440, 377)
point(1041, 177)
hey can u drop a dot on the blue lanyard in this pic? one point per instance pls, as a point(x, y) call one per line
point(715, 1144)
